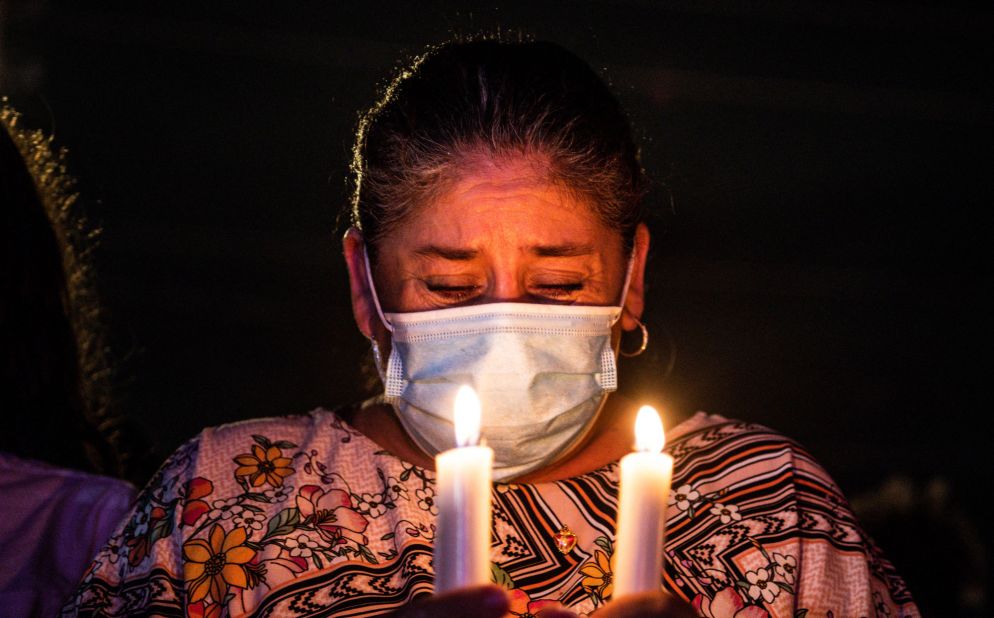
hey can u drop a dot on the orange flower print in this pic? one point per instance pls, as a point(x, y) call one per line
point(523, 607)
point(264, 466)
point(202, 609)
point(331, 514)
point(211, 565)
point(599, 577)
point(138, 548)
point(194, 507)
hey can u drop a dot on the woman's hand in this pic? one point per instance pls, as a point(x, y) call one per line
point(472, 602)
point(493, 602)
point(658, 604)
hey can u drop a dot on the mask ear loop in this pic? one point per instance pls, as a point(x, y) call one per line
point(372, 289)
point(628, 280)
point(624, 294)
point(381, 367)
point(624, 288)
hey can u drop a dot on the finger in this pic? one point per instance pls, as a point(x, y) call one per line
point(657, 604)
point(472, 602)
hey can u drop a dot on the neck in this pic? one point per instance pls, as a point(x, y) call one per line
point(607, 441)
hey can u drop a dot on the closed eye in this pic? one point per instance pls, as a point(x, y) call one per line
point(558, 290)
point(462, 293)
point(453, 292)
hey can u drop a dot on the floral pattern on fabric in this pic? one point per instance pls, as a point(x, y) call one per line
point(304, 515)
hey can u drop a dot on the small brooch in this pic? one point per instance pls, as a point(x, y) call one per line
point(565, 540)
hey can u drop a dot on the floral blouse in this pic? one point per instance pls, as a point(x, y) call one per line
point(305, 516)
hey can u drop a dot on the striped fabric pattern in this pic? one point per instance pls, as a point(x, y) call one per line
point(305, 516)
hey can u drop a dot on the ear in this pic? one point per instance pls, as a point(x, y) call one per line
point(635, 299)
point(363, 308)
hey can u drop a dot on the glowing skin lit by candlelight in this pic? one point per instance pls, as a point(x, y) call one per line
point(649, 436)
point(645, 485)
point(467, 417)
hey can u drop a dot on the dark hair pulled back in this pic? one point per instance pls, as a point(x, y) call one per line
point(500, 100)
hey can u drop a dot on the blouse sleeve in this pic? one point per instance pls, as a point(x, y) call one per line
point(757, 528)
point(841, 571)
point(139, 570)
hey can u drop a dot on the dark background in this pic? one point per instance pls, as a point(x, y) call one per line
point(821, 256)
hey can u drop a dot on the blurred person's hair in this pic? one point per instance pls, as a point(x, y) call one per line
point(55, 361)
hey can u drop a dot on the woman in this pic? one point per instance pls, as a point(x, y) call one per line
point(497, 239)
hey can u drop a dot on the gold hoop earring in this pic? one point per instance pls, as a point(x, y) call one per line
point(645, 342)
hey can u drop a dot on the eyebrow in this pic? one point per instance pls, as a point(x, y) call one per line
point(448, 253)
point(564, 250)
point(458, 254)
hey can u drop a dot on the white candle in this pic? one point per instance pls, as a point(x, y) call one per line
point(645, 485)
point(462, 538)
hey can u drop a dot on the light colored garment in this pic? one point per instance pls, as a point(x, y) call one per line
point(305, 515)
point(52, 522)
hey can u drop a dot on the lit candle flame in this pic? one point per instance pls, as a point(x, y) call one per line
point(649, 437)
point(467, 417)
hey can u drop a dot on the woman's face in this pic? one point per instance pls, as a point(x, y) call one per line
point(500, 234)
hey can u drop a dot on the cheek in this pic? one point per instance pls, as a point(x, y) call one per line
point(390, 285)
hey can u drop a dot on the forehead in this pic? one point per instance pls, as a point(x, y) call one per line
point(514, 203)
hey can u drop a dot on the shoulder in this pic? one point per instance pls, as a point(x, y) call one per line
point(704, 429)
point(290, 425)
point(733, 476)
point(228, 487)
point(254, 455)
point(212, 451)
point(770, 524)
point(210, 476)
point(750, 462)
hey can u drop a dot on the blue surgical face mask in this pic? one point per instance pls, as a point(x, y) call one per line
point(541, 372)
